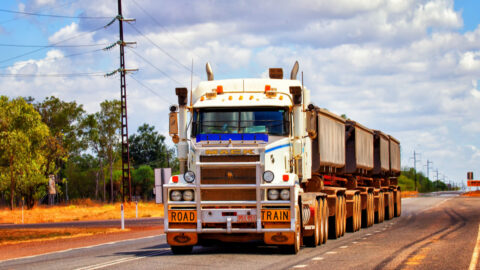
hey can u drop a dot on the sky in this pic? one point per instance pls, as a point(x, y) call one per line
point(410, 68)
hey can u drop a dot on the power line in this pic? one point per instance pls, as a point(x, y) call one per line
point(51, 46)
point(155, 67)
point(51, 15)
point(166, 30)
point(151, 90)
point(161, 49)
point(56, 58)
point(42, 48)
point(56, 6)
point(53, 74)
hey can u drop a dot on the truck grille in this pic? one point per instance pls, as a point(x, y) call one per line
point(242, 175)
point(228, 195)
point(228, 176)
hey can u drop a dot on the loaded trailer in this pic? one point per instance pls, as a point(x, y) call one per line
point(260, 162)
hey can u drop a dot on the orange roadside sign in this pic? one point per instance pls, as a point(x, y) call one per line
point(473, 183)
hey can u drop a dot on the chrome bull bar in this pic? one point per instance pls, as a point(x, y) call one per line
point(258, 203)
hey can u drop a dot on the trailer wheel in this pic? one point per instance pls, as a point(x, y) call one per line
point(398, 203)
point(314, 240)
point(334, 221)
point(390, 205)
point(381, 208)
point(181, 249)
point(344, 198)
point(372, 213)
point(358, 211)
point(325, 220)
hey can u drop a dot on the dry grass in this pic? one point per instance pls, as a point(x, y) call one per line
point(16, 236)
point(475, 193)
point(407, 194)
point(79, 211)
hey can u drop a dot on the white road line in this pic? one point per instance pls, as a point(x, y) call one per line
point(331, 252)
point(377, 231)
point(317, 259)
point(354, 242)
point(300, 266)
point(70, 249)
point(368, 234)
point(123, 260)
point(474, 261)
point(344, 247)
point(435, 205)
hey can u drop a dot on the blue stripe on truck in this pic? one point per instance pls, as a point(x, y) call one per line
point(277, 147)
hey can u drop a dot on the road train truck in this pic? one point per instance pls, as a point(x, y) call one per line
point(260, 162)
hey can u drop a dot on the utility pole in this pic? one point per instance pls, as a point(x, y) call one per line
point(436, 182)
point(126, 177)
point(415, 160)
point(428, 168)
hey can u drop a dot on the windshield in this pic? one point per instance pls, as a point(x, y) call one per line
point(273, 121)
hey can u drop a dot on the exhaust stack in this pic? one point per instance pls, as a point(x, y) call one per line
point(293, 74)
point(209, 72)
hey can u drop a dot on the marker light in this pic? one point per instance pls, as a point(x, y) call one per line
point(285, 177)
point(219, 89)
point(175, 179)
point(229, 97)
point(267, 88)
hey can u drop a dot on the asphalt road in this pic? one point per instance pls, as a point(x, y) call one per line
point(84, 224)
point(434, 232)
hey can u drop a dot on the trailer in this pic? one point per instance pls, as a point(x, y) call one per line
point(260, 162)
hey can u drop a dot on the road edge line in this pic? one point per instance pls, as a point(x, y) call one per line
point(474, 261)
point(72, 249)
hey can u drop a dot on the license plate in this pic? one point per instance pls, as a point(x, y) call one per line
point(275, 215)
point(177, 216)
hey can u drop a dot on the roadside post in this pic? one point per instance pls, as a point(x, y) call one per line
point(123, 217)
point(22, 209)
point(136, 209)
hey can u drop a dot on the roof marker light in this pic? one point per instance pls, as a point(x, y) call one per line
point(229, 97)
point(267, 88)
point(202, 98)
point(285, 177)
point(219, 89)
point(175, 179)
point(280, 97)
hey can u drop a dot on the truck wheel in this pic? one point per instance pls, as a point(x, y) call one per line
point(388, 206)
point(382, 207)
point(370, 209)
point(181, 249)
point(334, 221)
point(325, 221)
point(344, 199)
point(391, 207)
point(358, 211)
point(398, 203)
point(293, 249)
point(314, 240)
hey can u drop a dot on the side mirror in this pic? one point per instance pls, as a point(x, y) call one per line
point(173, 126)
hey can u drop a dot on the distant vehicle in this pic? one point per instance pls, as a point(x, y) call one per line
point(258, 161)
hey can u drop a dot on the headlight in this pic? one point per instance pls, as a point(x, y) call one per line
point(285, 194)
point(188, 195)
point(268, 176)
point(189, 176)
point(273, 194)
point(175, 195)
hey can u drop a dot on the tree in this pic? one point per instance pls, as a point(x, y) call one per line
point(91, 134)
point(108, 133)
point(63, 119)
point(22, 148)
point(148, 147)
point(143, 181)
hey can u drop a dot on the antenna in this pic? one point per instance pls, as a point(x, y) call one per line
point(191, 85)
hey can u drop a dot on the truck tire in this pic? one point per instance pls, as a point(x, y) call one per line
point(398, 203)
point(325, 220)
point(344, 199)
point(334, 221)
point(295, 248)
point(380, 217)
point(314, 240)
point(358, 211)
point(391, 206)
point(181, 249)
